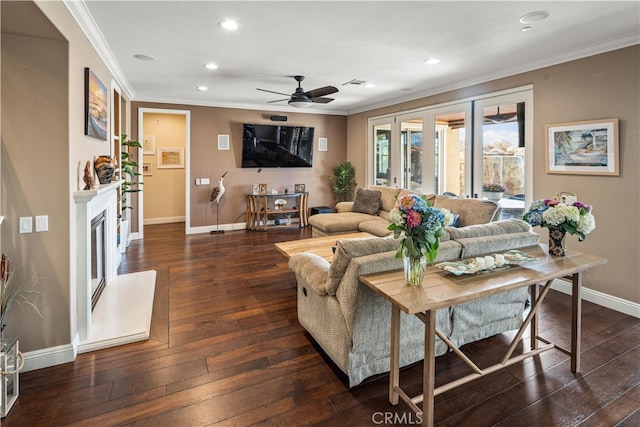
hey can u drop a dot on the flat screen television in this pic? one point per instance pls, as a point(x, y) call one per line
point(270, 146)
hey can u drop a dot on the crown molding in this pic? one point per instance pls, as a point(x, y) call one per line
point(81, 14)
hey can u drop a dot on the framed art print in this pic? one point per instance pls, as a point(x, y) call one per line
point(171, 158)
point(95, 106)
point(149, 145)
point(584, 148)
point(299, 188)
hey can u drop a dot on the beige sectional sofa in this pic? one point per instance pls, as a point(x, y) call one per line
point(345, 220)
point(352, 323)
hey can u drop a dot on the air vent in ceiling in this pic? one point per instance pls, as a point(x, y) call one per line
point(354, 82)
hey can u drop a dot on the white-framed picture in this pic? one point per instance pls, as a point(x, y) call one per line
point(322, 144)
point(583, 148)
point(149, 145)
point(146, 169)
point(171, 158)
point(223, 142)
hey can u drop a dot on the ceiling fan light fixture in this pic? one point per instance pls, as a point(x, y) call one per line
point(300, 103)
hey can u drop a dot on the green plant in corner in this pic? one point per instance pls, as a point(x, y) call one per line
point(130, 171)
point(343, 180)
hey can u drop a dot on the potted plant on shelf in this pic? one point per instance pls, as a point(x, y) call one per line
point(343, 180)
point(493, 191)
point(130, 182)
point(130, 171)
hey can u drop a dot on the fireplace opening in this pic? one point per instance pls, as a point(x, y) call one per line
point(97, 258)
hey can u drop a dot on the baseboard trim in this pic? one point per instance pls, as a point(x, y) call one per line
point(48, 357)
point(609, 301)
point(165, 220)
point(209, 228)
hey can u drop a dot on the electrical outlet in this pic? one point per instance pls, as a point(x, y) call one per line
point(26, 224)
point(197, 181)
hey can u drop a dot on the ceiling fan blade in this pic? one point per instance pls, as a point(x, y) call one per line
point(321, 91)
point(270, 91)
point(321, 100)
point(278, 100)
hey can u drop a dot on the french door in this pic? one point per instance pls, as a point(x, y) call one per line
point(455, 148)
point(397, 152)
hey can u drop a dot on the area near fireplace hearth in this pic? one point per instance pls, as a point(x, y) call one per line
point(111, 309)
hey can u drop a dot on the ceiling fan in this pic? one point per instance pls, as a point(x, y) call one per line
point(302, 99)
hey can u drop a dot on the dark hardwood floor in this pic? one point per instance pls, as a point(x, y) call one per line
point(226, 349)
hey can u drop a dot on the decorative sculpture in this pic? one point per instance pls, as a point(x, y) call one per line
point(88, 178)
point(216, 196)
point(105, 169)
point(218, 191)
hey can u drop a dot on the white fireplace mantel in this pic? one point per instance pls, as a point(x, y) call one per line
point(89, 204)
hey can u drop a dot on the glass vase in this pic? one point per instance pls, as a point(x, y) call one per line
point(557, 236)
point(414, 268)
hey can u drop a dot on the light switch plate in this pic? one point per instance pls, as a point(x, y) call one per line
point(26, 224)
point(205, 181)
point(42, 223)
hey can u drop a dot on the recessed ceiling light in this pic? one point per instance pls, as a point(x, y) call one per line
point(432, 61)
point(211, 66)
point(527, 28)
point(202, 88)
point(368, 85)
point(143, 57)
point(532, 17)
point(228, 24)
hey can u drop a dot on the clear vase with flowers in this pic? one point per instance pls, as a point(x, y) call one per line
point(419, 226)
point(562, 214)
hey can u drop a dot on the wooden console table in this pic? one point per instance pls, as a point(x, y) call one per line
point(260, 208)
point(442, 289)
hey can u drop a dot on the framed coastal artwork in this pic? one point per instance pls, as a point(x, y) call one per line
point(583, 148)
point(95, 106)
point(171, 158)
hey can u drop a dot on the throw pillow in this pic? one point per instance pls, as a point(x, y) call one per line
point(367, 201)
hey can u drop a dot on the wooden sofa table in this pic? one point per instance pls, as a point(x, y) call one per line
point(318, 245)
point(442, 289)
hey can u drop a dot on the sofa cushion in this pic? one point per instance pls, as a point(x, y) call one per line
point(339, 223)
point(367, 201)
point(470, 211)
point(495, 237)
point(492, 229)
point(388, 199)
point(344, 207)
point(377, 227)
point(346, 249)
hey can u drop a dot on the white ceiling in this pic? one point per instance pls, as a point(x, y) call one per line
point(334, 42)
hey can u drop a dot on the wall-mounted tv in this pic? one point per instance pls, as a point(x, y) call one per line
point(269, 146)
